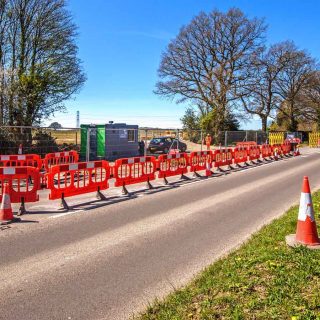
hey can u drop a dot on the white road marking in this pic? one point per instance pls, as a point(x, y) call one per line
point(193, 182)
point(65, 214)
point(42, 262)
point(42, 206)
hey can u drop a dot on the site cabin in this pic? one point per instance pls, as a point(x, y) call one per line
point(108, 141)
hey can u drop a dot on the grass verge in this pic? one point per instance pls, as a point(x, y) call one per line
point(263, 279)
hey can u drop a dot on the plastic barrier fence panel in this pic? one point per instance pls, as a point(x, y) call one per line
point(23, 183)
point(276, 149)
point(266, 151)
point(134, 170)
point(286, 148)
point(67, 180)
point(53, 159)
point(314, 139)
point(172, 164)
point(199, 160)
point(240, 155)
point(276, 138)
point(223, 157)
point(246, 144)
point(253, 153)
point(257, 153)
point(21, 160)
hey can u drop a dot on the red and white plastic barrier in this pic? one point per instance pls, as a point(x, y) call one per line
point(277, 150)
point(200, 160)
point(21, 160)
point(253, 153)
point(70, 179)
point(23, 183)
point(240, 155)
point(134, 170)
point(67, 180)
point(266, 151)
point(66, 157)
point(223, 157)
point(246, 144)
point(172, 165)
point(286, 148)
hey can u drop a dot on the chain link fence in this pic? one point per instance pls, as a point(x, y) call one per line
point(114, 143)
point(38, 140)
point(231, 138)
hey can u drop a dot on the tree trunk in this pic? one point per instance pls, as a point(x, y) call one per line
point(263, 123)
point(318, 119)
point(293, 123)
point(293, 126)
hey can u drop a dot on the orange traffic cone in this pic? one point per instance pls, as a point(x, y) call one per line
point(6, 214)
point(306, 233)
point(306, 226)
point(208, 169)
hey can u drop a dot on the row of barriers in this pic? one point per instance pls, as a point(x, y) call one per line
point(70, 179)
point(34, 160)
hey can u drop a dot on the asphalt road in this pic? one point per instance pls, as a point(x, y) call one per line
point(111, 261)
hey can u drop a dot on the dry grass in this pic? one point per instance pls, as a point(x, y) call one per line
point(66, 136)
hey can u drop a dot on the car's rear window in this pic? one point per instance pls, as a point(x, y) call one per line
point(156, 140)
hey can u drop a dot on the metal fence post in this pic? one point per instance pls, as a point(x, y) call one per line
point(201, 137)
point(88, 146)
point(145, 142)
point(226, 138)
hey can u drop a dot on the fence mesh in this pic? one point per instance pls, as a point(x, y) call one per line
point(111, 144)
point(233, 137)
point(38, 140)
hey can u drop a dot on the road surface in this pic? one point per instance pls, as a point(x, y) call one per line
point(110, 261)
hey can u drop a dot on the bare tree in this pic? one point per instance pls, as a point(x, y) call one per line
point(292, 81)
point(206, 61)
point(257, 92)
point(309, 101)
point(38, 60)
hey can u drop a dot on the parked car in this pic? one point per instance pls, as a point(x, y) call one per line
point(164, 144)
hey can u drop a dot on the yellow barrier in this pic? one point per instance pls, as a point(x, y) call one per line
point(314, 139)
point(276, 138)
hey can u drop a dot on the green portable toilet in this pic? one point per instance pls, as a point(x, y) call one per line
point(97, 142)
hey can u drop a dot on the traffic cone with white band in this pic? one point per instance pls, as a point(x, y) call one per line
point(208, 169)
point(306, 226)
point(6, 214)
point(306, 233)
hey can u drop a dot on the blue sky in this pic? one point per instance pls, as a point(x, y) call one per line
point(120, 44)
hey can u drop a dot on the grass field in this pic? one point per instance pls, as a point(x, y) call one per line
point(66, 136)
point(74, 135)
point(264, 279)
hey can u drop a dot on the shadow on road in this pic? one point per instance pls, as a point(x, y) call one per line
point(106, 201)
